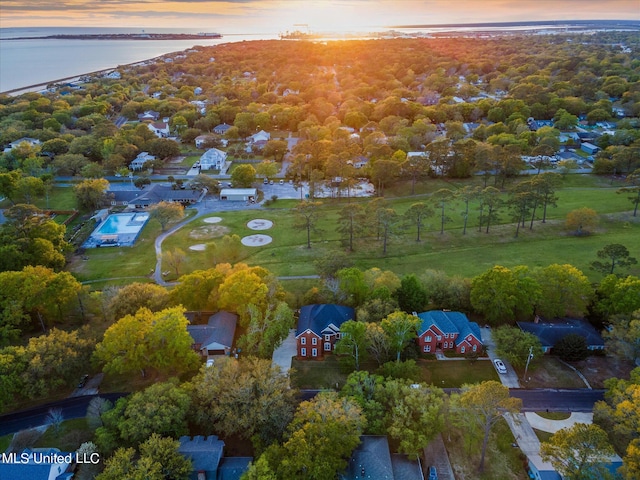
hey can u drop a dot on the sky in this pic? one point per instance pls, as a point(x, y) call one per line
point(273, 16)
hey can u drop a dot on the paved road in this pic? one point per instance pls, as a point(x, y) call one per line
point(75, 407)
point(558, 400)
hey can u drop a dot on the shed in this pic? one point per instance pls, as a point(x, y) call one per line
point(239, 194)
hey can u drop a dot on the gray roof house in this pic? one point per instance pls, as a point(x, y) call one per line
point(208, 462)
point(142, 158)
point(153, 194)
point(216, 337)
point(373, 460)
point(549, 333)
point(221, 129)
point(31, 141)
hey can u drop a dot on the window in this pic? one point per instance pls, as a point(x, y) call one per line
point(446, 344)
point(475, 347)
point(314, 341)
point(462, 349)
point(438, 337)
point(469, 338)
point(338, 336)
point(303, 340)
point(303, 352)
point(327, 338)
point(427, 338)
point(327, 346)
point(314, 352)
point(446, 335)
point(427, 348)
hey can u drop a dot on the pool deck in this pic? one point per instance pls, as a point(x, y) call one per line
point(117, 239)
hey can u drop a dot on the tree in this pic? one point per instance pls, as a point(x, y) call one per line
point(246, 286)
point(411, 296)
point(266, 330)
point(166, 213)
point(489, 206)
point(546, 185)
point(572, 348)
point(323, 434)
point(579, 452)
point(378, 343)
point(501, 294)
point(565, 290)
point(90, 194)
point(416, 215)
point(148, 340)
point(244, 175)
point(198, 290)
point(415, 417)
point(389, 223)
point(276, 149)
point(307, 214)
point(163, 148)
point(623, 335)
point(516, 345)
point(442, 197)
point(353, 341)
point(615, 254)
point(30, 188)
point(267, 169)
point(9, 184)
point(175, 259)
point(633, 179)
point(351, 222)
point(482, 405)
point(248, 397)
point(466, 194)
point(581, 221)
point(129, 299)
point(401, 328)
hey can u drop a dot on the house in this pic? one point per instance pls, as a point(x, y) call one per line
point(259, 137)
point(149, 115)
point(372, 460)
point(212, 159)
point(197, 91)
point(201, 140)
point(589, 148)
point(221, 129)
point(541, 470)
point(31, 141)
point(448, 331)
point(549, 333)
point(216, 337)
point(160, 129)
point(138, 163)
point(208, 461)
point(36, 464)
point(319, 328)
point(155, 193)
point(239, 194)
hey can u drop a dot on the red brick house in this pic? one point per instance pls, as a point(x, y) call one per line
point(319, 329)
point(442, 331)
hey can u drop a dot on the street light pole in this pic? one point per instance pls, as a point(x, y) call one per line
point(529, 357)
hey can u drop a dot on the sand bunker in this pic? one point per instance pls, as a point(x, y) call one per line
point(208, 231)
point(256, 240)
point(200, 247)
point(212, 220)
point(260, 224)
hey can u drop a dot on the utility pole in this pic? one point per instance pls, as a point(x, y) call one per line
point(529, 357)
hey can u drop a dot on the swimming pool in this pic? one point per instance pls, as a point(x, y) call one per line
point(118, 229)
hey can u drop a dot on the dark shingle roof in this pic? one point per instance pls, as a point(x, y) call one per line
point(220, 329)
point(205, 452)
point(450, 322)
point(318, 317)
point(405, 469)
point(370, 460)
point(551, 333)
point(232, 468)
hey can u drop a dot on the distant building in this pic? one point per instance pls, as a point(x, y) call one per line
point(448, 331)
point(153, 194)
point(216, 337)
point(372, 460)
point(221, 129)
point(589, 148)
point(37, 464)
point(138, 163)
point(212, 159)
point(208, 461)
point(149, 115)
point(239, 194)
point(31, 141)
point(160, 129)
point(551, 332)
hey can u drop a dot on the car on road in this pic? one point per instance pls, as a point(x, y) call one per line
point(83, 381)
point(500, 366)
point(433, 473)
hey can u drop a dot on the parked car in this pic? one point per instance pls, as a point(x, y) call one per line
point(83, 380)
point(433, 473)
point(500, 366)
point(271, 182)
point(281, 182)
point(266, 181)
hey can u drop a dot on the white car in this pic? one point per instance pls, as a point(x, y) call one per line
point(500, 366)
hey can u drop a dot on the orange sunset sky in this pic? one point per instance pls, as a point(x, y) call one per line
point(264, 16)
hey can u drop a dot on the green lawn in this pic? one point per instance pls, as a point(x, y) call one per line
point(5, 441)
point(444, 374)
point(71, 434)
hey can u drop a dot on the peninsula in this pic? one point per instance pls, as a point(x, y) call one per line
point(126, 36)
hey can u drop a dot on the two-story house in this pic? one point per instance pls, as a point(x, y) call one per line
point(319, 328)
point(442, 331)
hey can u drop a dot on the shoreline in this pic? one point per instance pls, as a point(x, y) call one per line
point(125, 36)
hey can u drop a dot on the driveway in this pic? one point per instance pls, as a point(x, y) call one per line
point(285, 352)
point(509, 379)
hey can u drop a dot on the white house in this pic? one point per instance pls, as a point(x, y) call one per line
point(212, 159)
point(260, 136)
point(200, 140)
point(150, 115)
point(31, 141)
point(160, 129)
point(140, 160)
